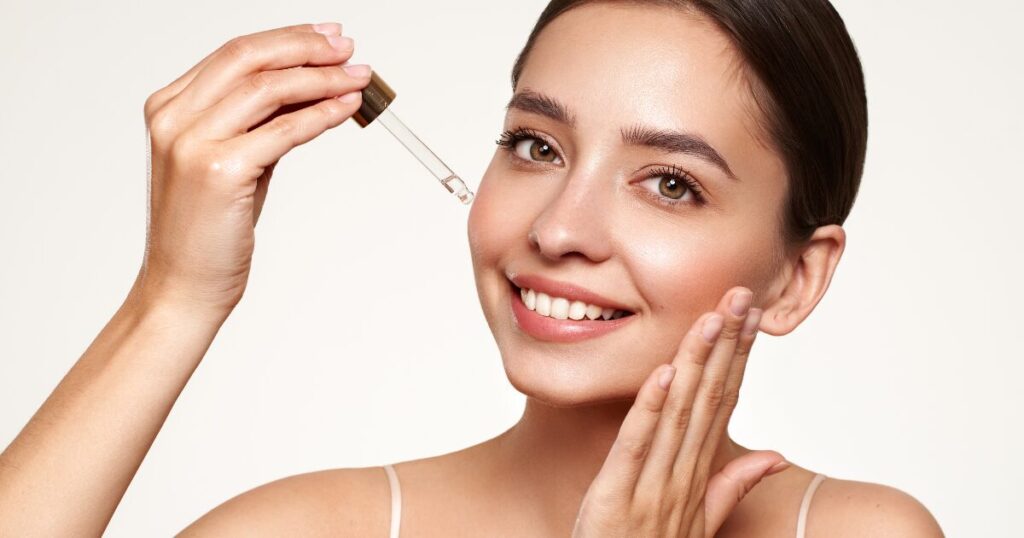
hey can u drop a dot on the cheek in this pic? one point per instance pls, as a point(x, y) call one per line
point(684, 275)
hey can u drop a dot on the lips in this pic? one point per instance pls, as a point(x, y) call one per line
point(562, 330)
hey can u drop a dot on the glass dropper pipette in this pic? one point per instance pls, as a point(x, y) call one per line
point(376, 98)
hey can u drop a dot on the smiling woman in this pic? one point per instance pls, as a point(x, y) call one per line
point(672, 179)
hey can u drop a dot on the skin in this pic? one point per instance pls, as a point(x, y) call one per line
point(585, 220)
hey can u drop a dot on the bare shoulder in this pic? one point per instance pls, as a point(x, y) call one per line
point(848, 508)
point(350, 502)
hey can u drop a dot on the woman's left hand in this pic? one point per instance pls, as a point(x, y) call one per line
point(655, 480)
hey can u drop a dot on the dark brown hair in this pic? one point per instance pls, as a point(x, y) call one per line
point(809, 86)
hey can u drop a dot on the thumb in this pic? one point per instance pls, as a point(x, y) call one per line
point(728, 487)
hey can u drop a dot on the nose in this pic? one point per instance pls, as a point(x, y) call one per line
point(576, 222)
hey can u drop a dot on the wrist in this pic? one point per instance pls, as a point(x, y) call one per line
point(148, 299)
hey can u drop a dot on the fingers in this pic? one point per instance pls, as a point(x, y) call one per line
point(732, 385)
point(267, 91)
point(711, 394)
point(247, 55)
point(269, 142)
point(618, 475)
point(728, 487)
point(689, 362)
point(165, 94)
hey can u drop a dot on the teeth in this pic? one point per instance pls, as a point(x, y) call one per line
point(577, 310)
point(562, 308)
point(559, 308)
point(543, 304)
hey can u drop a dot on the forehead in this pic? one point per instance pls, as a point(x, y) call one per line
point(621, 64)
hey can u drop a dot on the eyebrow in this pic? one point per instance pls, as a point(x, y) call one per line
point(663, 139)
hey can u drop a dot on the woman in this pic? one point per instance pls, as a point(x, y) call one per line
point(673, 178)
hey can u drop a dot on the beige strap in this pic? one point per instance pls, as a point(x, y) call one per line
point(396, 500)
point(805, 505)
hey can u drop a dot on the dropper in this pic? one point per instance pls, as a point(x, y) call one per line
point(376, 98)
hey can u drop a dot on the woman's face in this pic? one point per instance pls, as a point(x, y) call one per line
point(615, 100)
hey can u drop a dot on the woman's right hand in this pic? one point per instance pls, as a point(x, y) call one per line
point(216, 134)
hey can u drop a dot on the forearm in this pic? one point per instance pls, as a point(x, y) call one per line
point(66, 472)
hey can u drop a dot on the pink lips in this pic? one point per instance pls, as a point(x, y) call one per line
point(563, 330)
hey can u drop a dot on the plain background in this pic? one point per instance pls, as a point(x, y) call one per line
point(360, 340)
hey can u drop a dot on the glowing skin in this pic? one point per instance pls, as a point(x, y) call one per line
point(591, 214)
point(588, 218)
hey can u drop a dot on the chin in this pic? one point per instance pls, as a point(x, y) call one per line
point(562, 378)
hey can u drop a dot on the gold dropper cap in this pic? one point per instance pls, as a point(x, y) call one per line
point(376, 98)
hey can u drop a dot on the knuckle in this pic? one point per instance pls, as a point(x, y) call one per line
point(730, 399)
point(151, 105)
point(181, 149)
point(239, 47)
point(282, 126)
point(161, 122)
point(681, 420)
point(634, 449)
point(730, 331)
point(263, 82)
point(714, 395)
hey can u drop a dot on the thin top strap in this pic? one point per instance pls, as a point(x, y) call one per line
point(805, 505)
point(396, 501)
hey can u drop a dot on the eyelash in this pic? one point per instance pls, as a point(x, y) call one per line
point(512, 137)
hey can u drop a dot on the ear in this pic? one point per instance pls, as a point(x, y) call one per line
point(803, 281)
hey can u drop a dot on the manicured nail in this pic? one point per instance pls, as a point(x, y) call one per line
point(741, 302)
point(753, 321)
point(327, 28)
point(350, 97)
point(665, 379)
point(341, 42)
point(358, 70)
point(778, 467)
point(712, 326)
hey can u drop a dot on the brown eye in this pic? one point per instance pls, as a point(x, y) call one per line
point(672, 187)
point(536, 149)
point(675, 186)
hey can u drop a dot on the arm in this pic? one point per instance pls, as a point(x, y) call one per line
point(67, 470)
point(216, 133)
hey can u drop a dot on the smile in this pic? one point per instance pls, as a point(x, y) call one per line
point(555, 318)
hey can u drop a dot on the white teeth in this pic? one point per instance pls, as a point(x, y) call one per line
point(577, 310)
point(559, 308)
point(562, 308)
point(543, 304)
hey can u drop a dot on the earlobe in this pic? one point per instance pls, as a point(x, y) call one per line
point(805, 281)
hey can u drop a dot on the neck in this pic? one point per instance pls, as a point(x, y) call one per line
point(553, 453)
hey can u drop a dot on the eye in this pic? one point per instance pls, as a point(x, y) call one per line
point(528, 146)
point(673, 185)
point(536, 150)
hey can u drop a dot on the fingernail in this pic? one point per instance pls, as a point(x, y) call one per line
point(779, 467)
point(753, 320)
point(666, 377)
point(358, 70)
point(741, 302)
point(350, 97)
point(712, 326)
point(327, 28)
point(341, 42)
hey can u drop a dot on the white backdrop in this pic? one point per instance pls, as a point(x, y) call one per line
point(360, 340)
